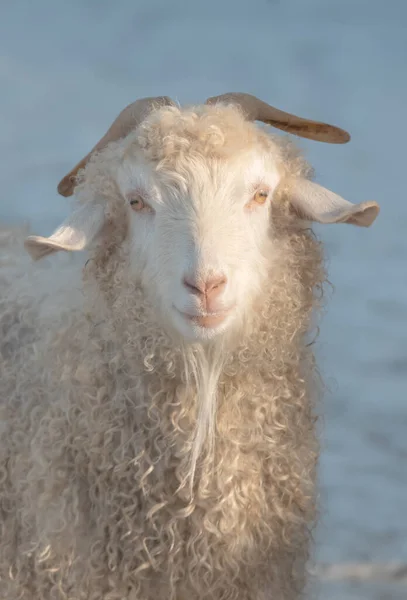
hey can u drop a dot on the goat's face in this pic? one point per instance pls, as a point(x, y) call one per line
point(200, 238)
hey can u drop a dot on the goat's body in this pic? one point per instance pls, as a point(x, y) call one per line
point(98, 418)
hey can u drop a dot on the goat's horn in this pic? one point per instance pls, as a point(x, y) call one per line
point(127, 120)
point(257, 110)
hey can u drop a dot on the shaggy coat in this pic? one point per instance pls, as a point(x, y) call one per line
point(99, 404)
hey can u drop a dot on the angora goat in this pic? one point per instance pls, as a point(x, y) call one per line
point(158, 427)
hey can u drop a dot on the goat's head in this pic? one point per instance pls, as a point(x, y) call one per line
point(199, 187)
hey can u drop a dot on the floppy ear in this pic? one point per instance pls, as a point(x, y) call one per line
point(315, 203)
point(75, 233)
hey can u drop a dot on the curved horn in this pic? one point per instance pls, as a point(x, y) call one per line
point(127, 120)
point(257, 110)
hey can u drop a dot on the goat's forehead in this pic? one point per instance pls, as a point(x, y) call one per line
point(217, 132)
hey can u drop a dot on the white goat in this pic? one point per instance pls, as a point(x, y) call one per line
point(158, 418)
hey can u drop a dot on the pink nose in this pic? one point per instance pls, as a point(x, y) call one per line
point(209, 288)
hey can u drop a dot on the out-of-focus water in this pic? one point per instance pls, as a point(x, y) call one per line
point(67, 69)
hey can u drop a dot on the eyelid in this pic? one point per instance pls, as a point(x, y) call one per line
point(260, 185)
point(137, 192)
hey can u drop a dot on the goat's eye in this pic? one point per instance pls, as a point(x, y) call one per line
point(261, 196)
point(138, 203)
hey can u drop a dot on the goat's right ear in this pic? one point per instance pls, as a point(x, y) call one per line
point(75, 233)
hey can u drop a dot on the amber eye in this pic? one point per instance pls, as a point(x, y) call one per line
point(261, 196)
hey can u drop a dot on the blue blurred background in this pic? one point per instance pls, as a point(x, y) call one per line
point(68, 68)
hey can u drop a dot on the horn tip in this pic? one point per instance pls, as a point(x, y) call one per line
point(66, 186)
point(344, 137)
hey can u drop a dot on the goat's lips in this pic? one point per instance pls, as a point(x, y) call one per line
point(207, 321)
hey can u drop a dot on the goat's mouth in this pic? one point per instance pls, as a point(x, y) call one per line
point(207, 320)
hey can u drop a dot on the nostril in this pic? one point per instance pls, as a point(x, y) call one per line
point(193, 286)
point(215, 283)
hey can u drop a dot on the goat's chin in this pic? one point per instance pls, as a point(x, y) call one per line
point(202, 329)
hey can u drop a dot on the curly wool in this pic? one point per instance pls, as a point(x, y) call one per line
point(100, 407)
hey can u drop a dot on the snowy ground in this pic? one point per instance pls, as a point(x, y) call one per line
point(67, 68)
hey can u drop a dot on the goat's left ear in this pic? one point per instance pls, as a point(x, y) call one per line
point(313, 202)
point(75, 233)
